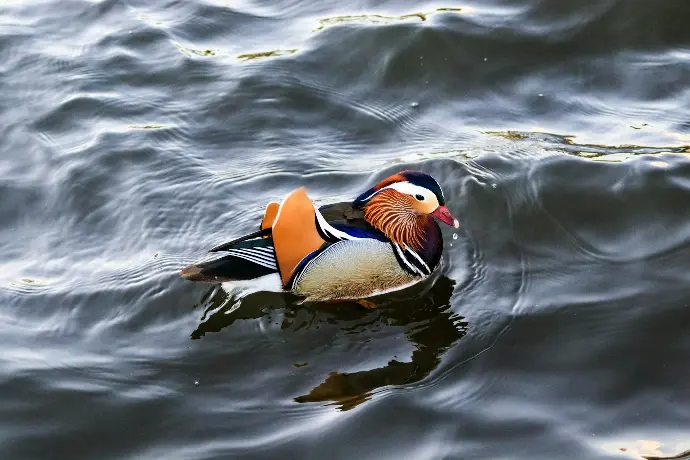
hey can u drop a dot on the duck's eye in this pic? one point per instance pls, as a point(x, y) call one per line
point(419, 197)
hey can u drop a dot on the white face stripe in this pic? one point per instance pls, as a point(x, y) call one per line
point(413, 190)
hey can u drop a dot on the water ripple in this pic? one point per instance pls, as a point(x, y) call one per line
point(137, 135)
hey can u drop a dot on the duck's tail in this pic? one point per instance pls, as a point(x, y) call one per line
point(243, 260)
point(248, 257)
point(289, 233)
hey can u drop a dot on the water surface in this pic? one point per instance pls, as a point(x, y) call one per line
point(136, 135)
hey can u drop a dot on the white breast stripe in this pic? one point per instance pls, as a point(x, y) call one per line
point(400, 253)
point(330, 230)
point(421, 261)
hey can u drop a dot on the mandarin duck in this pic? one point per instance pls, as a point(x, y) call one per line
point(385, 240)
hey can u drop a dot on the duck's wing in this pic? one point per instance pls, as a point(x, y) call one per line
point(331, 220)
point(300, 231)
point(347, 218)
point(291, 233)
point(248, 257)
point(264, 232)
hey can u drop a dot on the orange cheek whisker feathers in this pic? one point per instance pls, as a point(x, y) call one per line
point(394, 215)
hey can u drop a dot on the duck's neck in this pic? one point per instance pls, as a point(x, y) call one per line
point(432, 247)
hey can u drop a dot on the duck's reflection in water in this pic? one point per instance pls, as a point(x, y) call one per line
point(426, 319)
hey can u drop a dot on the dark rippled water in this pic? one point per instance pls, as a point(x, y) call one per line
point(136, 135)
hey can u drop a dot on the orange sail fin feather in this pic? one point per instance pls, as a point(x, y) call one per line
point(270, 215)
point(294, 232)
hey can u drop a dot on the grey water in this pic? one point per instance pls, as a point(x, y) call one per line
point(136, 135)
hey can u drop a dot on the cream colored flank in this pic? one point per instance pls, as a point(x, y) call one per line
point(352, 270)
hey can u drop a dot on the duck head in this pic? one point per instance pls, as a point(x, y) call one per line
point(402, 206)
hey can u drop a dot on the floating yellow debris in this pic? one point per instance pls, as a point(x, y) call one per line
point(380, 18)
point(146, 126)
point(191, 52)
point(265, 54)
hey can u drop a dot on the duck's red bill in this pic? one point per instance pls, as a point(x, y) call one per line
point(443, 214)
